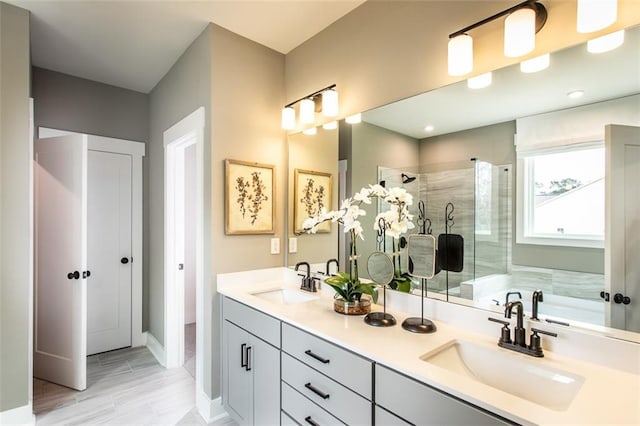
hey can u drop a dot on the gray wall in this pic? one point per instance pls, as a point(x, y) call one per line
point(495, 144)
point(65, 102)
point(75, 104)
point(16, 281)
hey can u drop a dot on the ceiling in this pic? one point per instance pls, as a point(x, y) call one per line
point(132, 44)
point(514, 94)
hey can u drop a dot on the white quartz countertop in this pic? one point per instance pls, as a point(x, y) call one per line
point(607, 396)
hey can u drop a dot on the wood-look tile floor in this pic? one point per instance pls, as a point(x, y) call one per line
point(124, 387)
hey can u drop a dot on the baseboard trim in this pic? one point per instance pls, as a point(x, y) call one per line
point(18, 416)
point(210, 409)
point(156, 349)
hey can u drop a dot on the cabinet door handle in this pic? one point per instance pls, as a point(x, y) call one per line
point(317, 357)
point(243, 358)
point(316, 391)
point(248, 367)
point(309, 420)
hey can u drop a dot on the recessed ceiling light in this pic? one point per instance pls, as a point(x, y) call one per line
point(480, 81)
point(575, 94)
point(429, 128)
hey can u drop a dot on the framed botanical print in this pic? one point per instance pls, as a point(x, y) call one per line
point(312, 194)
point(249, 198)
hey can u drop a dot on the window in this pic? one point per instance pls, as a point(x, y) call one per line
point(561, 197)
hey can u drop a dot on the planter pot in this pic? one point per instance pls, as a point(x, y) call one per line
point(362, 307)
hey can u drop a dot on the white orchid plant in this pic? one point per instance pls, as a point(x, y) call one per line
point(397, 222)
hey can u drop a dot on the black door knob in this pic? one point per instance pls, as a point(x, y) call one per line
point(620, 298)
point(124, 260)
point(73, 275)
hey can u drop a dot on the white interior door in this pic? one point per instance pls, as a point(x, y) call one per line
point(109, 251)
point(60, 192)
point(622, 226)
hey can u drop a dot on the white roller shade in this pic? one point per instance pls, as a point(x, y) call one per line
point(575, 125)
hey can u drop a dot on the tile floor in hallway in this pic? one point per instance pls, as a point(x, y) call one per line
point(124, 387)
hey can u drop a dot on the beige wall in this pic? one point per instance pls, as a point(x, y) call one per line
point(384, 51)
point(15, 210)
point(247, 93)
point(316, 153)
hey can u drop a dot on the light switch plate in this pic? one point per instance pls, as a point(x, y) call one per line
point(293, 245)
point(275, 246)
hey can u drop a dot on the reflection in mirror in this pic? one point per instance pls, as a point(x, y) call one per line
point(455, 123)
point(422, 256)
point(380, 268)
point(313, 161)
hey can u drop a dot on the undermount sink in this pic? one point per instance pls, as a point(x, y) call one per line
point(512, 373)
point(285, 296)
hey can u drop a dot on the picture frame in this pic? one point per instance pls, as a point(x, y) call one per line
point(249, 198)
point(312, 193)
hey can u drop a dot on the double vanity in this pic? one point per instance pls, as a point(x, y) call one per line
point(288, 358)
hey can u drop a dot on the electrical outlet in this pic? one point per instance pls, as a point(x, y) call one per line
point(275, 246)
point(293, 245)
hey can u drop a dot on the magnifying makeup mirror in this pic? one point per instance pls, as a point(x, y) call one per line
point(381, 270)
point(422, 264)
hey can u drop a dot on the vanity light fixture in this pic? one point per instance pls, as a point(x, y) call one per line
point(606, 42)
point(480, 81)
point(325, 99)
point(523, 21)
point(354, 119)
point(332, 125)
point(595, 15)
point(310, 131)
point(536, 64)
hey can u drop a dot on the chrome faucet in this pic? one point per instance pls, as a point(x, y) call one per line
point(519, 337)
point(537, 297)
point(509, 293)
point(308, 282)
point(329, 262)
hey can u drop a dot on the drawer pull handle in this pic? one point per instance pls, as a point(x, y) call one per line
point(309, 420)
point(317, 357)
point(316, 391)
point(243, 359)
point(248, 367)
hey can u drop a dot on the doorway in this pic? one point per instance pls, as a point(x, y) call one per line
point(184, 245)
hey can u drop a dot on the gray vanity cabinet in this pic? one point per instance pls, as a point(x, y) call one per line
point(251, 365)
point(419, 404)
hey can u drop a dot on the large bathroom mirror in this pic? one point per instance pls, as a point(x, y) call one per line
point(459, 141)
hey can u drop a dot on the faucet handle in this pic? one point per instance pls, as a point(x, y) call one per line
point(505, 333)
point(535, 347)
point(548, 333)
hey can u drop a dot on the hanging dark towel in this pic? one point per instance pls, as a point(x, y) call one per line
point(450, 252)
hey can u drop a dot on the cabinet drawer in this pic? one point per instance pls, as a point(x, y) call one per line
point(343, 403)
point(255, 322)
point(345, 367)
point(385, 418)
point(303, 411)
point(417, 402)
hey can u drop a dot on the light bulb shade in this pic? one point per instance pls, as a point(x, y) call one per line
point(520, 32)
point(354, 119)
point(307, 111)
point(311, 131)
point(594, 15)
point(536, 64)
point(480, 81)
point(460, 50)
point(332, 125)
point(288, 118)
point(330, 103)
point(606, 43)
